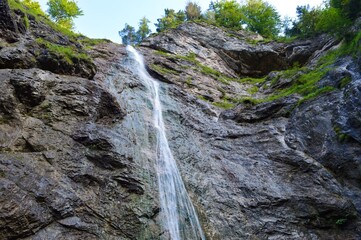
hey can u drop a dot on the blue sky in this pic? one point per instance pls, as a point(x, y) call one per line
point(103, 19)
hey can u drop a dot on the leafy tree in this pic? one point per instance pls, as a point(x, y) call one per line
point(350, 8)
point(227, 13)
point(171, 19)
point(63, 12)
point(143, 30)
point(331, 20)
point(128, 35)
point(307, 19)
point(210, 17)
point(262, 18)
point(193, 11)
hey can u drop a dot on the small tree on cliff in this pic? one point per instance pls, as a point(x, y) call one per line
point(193, 11)
point(128, 35)
point(171, 19)
point(143, 30)
point(63, 12)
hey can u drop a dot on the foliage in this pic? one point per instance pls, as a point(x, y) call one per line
point(68, 53)
point(143, 29)
point(306, 22)
point(163, 70)
point(34, 6)
point(227, 13)
point(262, 18)
point(171, 19)
point(331, 20)
point(192, 11)
point(128, 35)
point(224, 104)
point(63, 12)
point(350, 8)
point(335, 18)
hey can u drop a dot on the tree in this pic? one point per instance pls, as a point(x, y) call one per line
point(128, 35)
point(331, 20)
point(63, 12)
point(171, 19)
point(192, 11)
point(262, 18)
point(350, 8)
point(307, 19)
point(227, 13)
point(143, 30)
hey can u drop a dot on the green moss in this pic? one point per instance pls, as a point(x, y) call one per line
point(68, 53)
point(224, 104)
point(316, 93)
point(341, 137)
point(202, 98)
point(89, 42)
point(191, 57)
point(341, 221)
point(344, 81)
point(163, 70)
point(162, 53)
point(26, 22)
point(252, 90)
point(189, 81)
point(248, 100)
point(252, 80)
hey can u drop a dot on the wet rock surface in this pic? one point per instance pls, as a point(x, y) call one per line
point(77, 156)
point(235, 52)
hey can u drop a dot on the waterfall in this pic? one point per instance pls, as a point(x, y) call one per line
point(180, 220)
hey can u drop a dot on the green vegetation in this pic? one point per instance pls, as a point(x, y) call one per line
point(28, 7)
point(341, 137)
point(227, 13)
point(130, 36)
point(193, 11)
point(341, 221)
point(262, 18)
point(191, 57)
point(189, 81)
point(68, 53)
point(32, 8)
point(344, 81)
point(163, 70)
point(252, 80)
point(335, 17)
point(224, 104)
point(171, 19)
point(63, 12)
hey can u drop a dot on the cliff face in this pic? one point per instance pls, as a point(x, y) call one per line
point(77, 150)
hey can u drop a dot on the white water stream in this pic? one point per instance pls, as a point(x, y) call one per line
point(180, 220)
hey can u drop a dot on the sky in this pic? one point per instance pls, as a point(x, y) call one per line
point(103, 19)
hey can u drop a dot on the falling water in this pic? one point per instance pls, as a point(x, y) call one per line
point(179, 216)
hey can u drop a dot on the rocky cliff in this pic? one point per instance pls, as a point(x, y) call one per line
point(77, 158)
